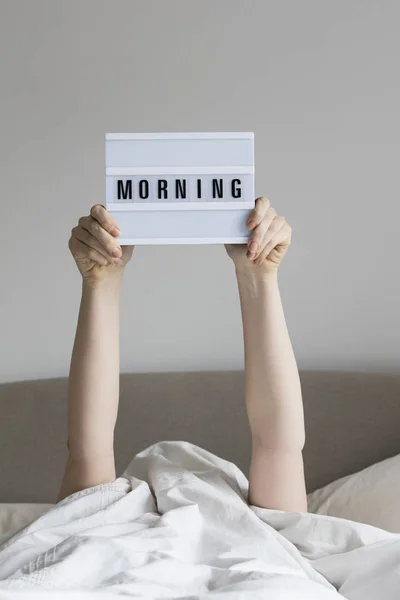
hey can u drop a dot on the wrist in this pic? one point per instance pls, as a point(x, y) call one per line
point(255, 285)
point(257, 276)
point(109, 285)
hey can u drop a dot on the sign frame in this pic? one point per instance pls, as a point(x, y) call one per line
point(133, 159)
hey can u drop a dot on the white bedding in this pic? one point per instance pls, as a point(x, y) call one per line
point(177, 525)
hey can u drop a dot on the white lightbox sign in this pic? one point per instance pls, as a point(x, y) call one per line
point(180, 188)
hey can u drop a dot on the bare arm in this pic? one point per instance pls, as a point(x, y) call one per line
point(273, 398)
point(273, 391)
point(93, 389)
point(94, 372)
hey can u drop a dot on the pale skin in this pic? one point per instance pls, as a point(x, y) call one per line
point(273, 392)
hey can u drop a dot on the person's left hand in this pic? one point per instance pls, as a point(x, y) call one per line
point(268, 243)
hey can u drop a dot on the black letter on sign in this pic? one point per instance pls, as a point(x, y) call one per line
point(236, 191)
point(162, 187)
point(124, 193)
point(180, 189)
point(199, 188)
point(143, 189)
point(217, 188)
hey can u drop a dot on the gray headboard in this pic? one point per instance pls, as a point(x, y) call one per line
point(352, 420)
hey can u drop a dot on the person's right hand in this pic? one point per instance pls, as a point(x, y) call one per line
point(94, 246)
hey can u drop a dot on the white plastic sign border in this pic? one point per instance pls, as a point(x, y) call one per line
point(154, 194)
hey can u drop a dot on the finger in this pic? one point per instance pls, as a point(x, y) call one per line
point(276, 241)
point(89, 240)
point(282, 235)
point(81, 250)
point(100, 214)
point(259, 211)
point(256, 241)
point(105, 239)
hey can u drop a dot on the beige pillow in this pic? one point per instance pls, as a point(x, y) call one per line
point(14, 517)
point(370, 496)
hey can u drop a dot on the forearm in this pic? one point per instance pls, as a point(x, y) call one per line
point(94, 372)
point(273, 391)
point(93, 388)
point(273, 398)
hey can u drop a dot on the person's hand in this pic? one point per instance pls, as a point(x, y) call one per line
point(94, 246)
point(268, 243)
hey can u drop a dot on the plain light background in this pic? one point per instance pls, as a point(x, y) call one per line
point(318, 83)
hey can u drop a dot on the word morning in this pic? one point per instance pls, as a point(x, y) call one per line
point(178, 189)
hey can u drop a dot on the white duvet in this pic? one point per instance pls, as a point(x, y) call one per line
point(177, 525)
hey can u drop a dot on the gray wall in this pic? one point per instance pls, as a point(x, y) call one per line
point(318, 83)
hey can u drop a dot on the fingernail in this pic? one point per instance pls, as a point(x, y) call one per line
point(253, 247)
point(250, 255)
point(117, 261)
point(251, 224)
point(115, 231)
point(117, 252)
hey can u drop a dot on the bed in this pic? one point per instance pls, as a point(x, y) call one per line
point(206, 538)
